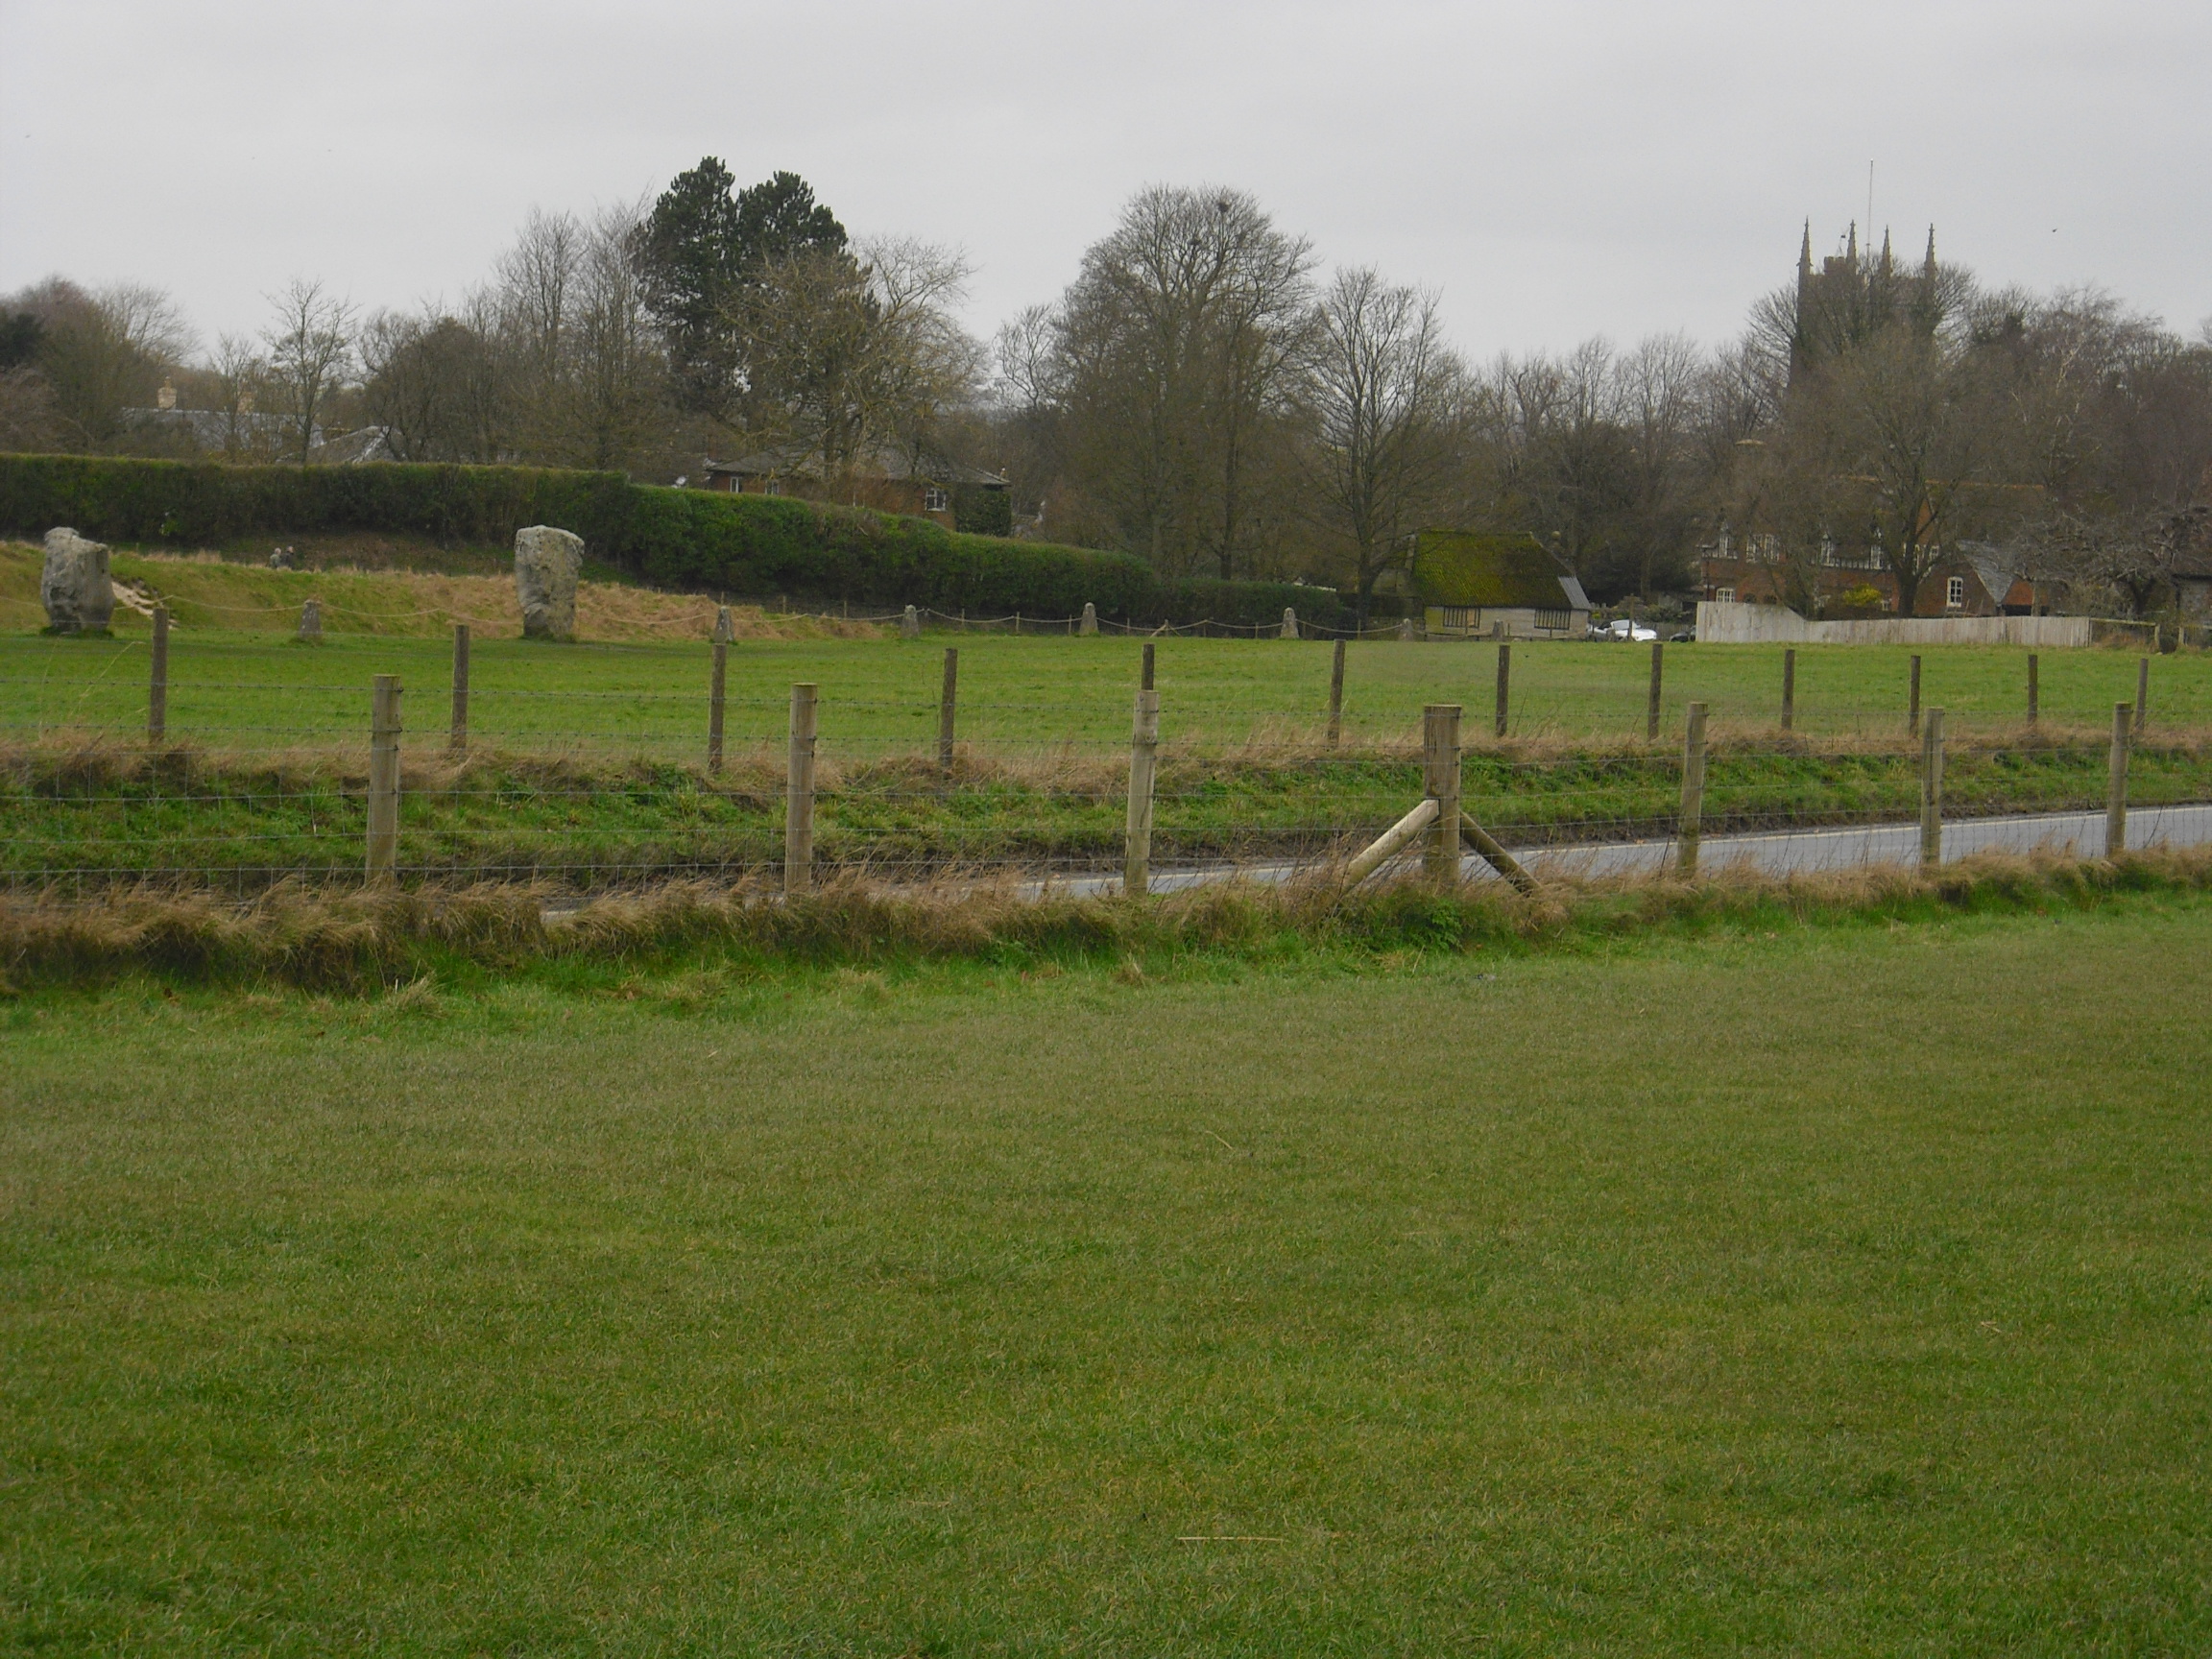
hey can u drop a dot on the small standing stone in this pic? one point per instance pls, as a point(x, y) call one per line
point(1289, 623)
point(311, 622)
point(73, 584)
point(547, 564)
point(911, 624)
point(1405, 627)
point(1090, 622)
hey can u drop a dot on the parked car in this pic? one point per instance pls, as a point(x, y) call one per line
point(1683, 637)
point(1622, 627)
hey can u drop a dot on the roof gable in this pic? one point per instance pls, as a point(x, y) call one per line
point(888, 461)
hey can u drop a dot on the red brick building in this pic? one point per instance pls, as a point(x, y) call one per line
point(1973, 579)
point(889, 478)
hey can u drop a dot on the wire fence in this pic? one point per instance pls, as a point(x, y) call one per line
point(241, 781)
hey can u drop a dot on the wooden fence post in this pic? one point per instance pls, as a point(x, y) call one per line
point(1144, 684)
point(1336, 694)
point(158, 685)
point(2142, 692)
point(1440, 782)
point(1789, 688)
point(1931, 789)
point(458, 742)
point(1913, 714)
point(1651, 700)
point(2033, 690)
point(947, 707)
point(717, 686)
point(1504, 684)
point(1144, 763)
point(1692, 819)
point(2116, 785)
point(384, 778)
point(799, 795)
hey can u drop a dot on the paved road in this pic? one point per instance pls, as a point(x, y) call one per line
point(1843, 848)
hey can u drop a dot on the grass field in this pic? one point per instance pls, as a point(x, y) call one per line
point(1838, 1291)
point(253, 689)
point(589, 757)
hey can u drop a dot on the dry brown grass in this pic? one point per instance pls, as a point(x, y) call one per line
point(380, 938)
point(398, 601)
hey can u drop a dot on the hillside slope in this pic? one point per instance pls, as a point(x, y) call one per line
point(204, 591)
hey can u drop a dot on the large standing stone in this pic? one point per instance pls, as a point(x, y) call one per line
point(546, 562)
point(74, 586)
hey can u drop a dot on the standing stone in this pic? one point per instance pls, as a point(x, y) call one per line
point(1090, 622)
point(725, 632)
point(74, 587)
point(1289, 623)
point(311, 622)
point(911, 624)
point(546, 562)
point(1405, 627)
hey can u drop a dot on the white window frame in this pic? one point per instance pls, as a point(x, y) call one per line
point(1724, 595)
point(1954, 593)
point(936, 498)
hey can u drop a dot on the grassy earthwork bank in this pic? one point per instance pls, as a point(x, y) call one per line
point(1771, 1278)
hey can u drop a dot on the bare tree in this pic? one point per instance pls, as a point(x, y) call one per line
point(101, 352)
point(613, 390)
point(1906, 435)
point(1175, 345)
point(846, 354)
point(1384, 395)
point(533, 287)
point(1660, 400)
point(310, 352)
point(238, 379)
point(436, 383)
point(1557, 454)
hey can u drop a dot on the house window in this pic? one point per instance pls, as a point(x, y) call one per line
point(1954, 593)
point(936, 498)
point(1725, 595)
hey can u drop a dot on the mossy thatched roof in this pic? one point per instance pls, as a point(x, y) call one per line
point(1481, 568)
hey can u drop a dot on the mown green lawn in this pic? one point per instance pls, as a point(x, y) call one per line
point(250, 692)
point(1838, 1293)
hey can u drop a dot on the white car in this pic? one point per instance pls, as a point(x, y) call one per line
point(1622, 628)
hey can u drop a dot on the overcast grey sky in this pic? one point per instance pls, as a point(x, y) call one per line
point(1556, 170)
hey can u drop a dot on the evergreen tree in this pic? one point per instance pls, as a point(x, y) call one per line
point(778, 217)
point(701, 248)
point(687, 257)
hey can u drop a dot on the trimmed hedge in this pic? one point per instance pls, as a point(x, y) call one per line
point(205, 504)
point(743, 545)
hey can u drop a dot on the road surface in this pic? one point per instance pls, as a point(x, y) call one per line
point(1846, 847)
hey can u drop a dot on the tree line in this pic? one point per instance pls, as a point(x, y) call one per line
point(1206, 395)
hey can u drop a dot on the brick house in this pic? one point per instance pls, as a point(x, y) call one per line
point(1972, 579)
point(889, 478)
